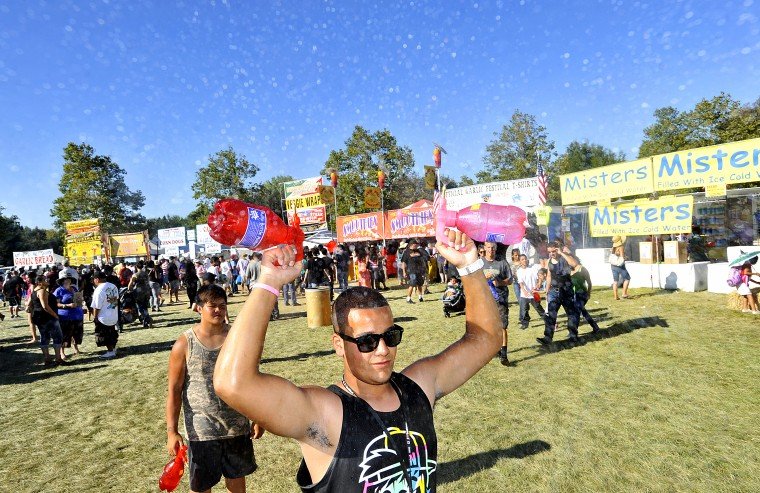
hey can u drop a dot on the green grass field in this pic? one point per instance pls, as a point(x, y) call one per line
point(665, 399)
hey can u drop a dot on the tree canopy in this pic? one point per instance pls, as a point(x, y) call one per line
point(516, 149)
point(17, 238)
point(357, 165)
point(270, 193)
point(92, 186)
point(711, 121)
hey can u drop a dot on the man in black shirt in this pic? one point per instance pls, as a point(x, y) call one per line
point(559, 291)
point(414, 264)
point(341, 267)
point(499, 276)
point(374, 429)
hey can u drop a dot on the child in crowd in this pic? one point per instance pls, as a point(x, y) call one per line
point(749, 303)
point(219, 438)
point(453, 297)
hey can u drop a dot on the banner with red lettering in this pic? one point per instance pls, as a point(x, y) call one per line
point(360, 227)
point(409, 223)
point(33, 258)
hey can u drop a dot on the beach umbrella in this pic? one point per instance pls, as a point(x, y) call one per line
point(749, 257)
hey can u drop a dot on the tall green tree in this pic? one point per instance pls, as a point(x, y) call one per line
point(153, 224)
point(712, 121)
point(357, 165)
point(92, 186)
point(227, 175)
point(516, 149)
point(580, 156)
point(11, 237)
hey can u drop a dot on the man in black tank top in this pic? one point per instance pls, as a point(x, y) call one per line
point(373, 430)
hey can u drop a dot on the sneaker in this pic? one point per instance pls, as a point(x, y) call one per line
point(421, 300)
point(756, 312)
point(746, 310)
point(296, 304)
point(523, 326)
point(108, 355)
point(409, 300)
point(2, 317)
point(544, 340)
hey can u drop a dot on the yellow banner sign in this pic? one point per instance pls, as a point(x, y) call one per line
point(304, 201)
point(84, 253)
point(654, 217)
point(735, 162)
point(430, 178)
point(82, 226)
point(614, 181)
point(372, 198)
point(128, 245)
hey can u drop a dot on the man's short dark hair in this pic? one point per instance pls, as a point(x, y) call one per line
point(354, 298)
point(210, 293)
point(100, 274)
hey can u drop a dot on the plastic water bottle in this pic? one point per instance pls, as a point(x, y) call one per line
point(482, 222)
point(234, 222)
point(173, 471)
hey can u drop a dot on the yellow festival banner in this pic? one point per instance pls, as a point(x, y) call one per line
point(616, 180)
point(430, 178)
point(129, 245)
point(84, 253)
point(82, 226)
point(313, 200)
point(371, 197)
point(734, 162)
point(645, 217)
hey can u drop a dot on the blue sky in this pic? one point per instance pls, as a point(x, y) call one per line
point(159, 86)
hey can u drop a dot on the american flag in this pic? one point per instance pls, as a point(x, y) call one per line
point(541, 184)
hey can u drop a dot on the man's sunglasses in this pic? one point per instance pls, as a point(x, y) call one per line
point(368, 342)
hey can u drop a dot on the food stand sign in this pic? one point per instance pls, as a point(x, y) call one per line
point(33, 258)
point(648, 217)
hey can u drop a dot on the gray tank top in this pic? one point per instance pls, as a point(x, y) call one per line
point(207, 417)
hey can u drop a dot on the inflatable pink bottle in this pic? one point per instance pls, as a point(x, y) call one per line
point(482, 222)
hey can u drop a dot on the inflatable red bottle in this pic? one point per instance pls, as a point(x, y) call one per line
point(173, 471)
point(234, 222)
point(482, 222)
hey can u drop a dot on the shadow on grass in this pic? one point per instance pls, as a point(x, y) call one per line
point(448, 472)
point(298, 357)
point(614, 330)
point(25, 367)
point(404, 319)
point(188, 321)
point(152, 347)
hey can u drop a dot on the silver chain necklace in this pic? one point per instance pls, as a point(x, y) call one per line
point(345, 385)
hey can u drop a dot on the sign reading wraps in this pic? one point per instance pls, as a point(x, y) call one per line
point(647, 217)
point(172, 237)
point(409, 223)
point(616, 180)
point(735, 162)
point(129, 244)
point(298, 188)
point(33, 258)
point(360, 227)
point(522, 193)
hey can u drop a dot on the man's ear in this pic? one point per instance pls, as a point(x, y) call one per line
point(337, 343)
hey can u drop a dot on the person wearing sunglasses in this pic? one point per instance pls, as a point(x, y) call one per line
point(374, 427)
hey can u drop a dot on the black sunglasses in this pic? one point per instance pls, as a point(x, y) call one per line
point(368, 342)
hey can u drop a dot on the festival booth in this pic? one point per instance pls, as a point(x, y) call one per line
point(84, 242)
point(127, 246)
point(728, 220)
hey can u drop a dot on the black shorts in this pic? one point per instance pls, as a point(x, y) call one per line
point(416, 279)
point(211, 459)
point(105, 335)
point(72, 329)
point(13, 301)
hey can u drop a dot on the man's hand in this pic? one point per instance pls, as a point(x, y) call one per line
point(460, 250)
point(279, 266)
point(257, 431)
point(173, 442)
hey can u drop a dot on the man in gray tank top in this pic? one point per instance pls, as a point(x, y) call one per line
point(373, 430)
point(219, 438)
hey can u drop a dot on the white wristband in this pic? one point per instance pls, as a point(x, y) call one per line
point(469, 269)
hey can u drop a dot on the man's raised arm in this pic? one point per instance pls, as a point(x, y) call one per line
point(271, 401)
point(442, 374)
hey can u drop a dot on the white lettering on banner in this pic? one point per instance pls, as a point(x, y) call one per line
point(404, 220)
point(360, 224)
point(172, 237)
